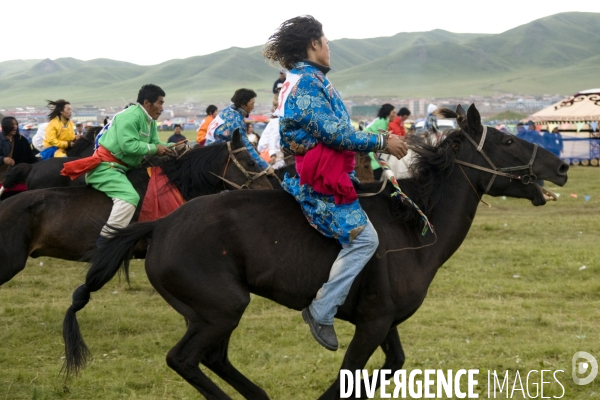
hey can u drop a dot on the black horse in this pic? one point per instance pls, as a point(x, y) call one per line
point(65, 222)
point(46, 174)
point(209, 282)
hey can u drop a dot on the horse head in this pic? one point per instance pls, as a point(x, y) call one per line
point(506, 165)
point(244, 166)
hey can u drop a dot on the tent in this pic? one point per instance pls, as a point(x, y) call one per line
point(577, 118)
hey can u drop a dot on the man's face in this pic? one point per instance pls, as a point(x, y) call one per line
point(249, 106)
point(392, 115)
point(403, 118)
point(323, 55)
point(281, 76)
point(79, 128)
point(66, 113)
point(156, 108)
point(15, 126)
point(177, 130)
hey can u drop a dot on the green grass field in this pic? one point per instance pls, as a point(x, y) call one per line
point(514, 297)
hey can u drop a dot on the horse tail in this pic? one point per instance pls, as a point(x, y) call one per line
point(104, 264)
point(17, 174)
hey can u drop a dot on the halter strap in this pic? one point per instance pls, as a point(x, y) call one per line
point(495, 171)
point(251, 176)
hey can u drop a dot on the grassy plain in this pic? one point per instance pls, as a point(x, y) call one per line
point(515, 296)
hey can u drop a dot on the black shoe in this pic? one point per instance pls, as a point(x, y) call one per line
point(324, 334)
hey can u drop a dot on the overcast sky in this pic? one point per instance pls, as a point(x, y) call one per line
point(150, 32)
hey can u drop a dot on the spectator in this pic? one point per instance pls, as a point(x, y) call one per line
point(553, 141)
point(277, 85)
point(386, 113)
point(60, 134)
point(211, 113)
point(520, 130)
point(14, 149)
point(531, 134)
point(430, 124)
point(252, 137)
point(269, 145)
point(38, 138)
point(396, 125)
point(79, 129)
point(176, 137)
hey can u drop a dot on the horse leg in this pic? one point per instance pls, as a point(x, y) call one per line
point(367, 337)
point(213, 312)
point(13, 253)
point(217, 360)
point(185, 358)
point(392, 348)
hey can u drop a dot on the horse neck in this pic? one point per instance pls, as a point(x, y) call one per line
point(451, 218)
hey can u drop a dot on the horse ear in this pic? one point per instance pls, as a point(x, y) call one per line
point(474, 119)
point(461, 118)
point(236, 139)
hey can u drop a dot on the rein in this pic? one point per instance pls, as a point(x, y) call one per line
point(251, 176)
point(495, 171)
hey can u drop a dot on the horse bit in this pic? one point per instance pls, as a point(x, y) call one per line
point(526, 179)
point(251, 176)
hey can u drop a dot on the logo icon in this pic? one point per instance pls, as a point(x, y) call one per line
point(582, 367)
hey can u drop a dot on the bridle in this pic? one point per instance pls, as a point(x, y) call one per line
point(251, 176)
point(495, 171)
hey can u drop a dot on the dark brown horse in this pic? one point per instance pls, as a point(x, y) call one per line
point(65, 222)
point(46, 173)
point(209, 281)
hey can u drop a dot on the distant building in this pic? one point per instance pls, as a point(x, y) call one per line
point(87, 113)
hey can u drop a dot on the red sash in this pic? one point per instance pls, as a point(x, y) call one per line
point(77, 168)
point(326, 171)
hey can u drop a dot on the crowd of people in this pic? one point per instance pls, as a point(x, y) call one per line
point(549, 140)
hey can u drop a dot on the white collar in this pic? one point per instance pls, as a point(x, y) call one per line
point(145, 112)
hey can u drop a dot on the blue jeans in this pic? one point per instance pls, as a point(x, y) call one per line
point(346, 267)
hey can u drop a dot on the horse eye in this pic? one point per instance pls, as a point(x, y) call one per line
point(509, 142)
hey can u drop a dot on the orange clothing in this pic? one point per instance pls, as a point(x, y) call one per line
point(397, 127)
point(201, 138)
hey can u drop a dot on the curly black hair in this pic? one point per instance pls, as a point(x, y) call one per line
point(287, 45)
point(241, 97)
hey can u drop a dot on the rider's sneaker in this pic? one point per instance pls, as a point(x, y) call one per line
point(324, 334)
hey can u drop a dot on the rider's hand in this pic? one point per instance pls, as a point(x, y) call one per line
point(8, 161)
point(163, 150)
point(273, 159)
point(396, 146)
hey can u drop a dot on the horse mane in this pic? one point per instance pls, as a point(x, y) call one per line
point(191, 173)
point(433, 163)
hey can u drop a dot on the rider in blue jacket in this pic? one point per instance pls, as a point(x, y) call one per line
point(315, 126)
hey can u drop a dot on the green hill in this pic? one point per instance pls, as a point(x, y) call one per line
point(556, 54)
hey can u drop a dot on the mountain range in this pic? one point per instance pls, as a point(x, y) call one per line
point(559, 54)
